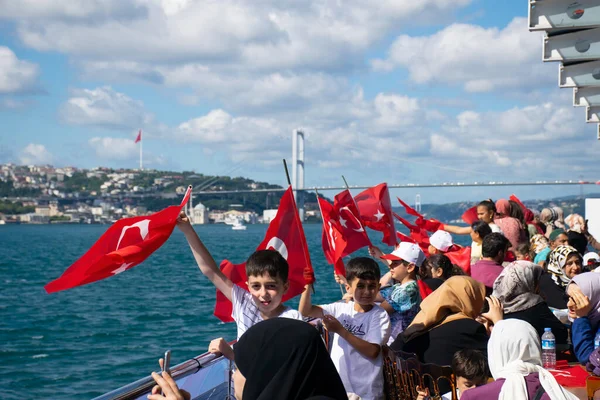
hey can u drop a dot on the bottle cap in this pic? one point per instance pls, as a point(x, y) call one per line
point(547, 330)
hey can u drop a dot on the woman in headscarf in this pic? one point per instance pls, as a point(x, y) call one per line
point(517, 288)
point(584, 310)
point(552, 218)
point(515, 360)
point(281, 358)
point(446, 322)
point(510, 226)
point(564, 262)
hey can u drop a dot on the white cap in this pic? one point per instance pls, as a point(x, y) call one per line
point(587, 257)
point(408, 252)
point(441, 240)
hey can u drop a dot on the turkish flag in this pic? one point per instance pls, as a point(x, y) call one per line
point(343, 232)
point(418, 235)
point(470, 215)
point(285, 234)
point(409, 209)
point(430, 225)
point(375, 210)
point(139, 137)
point(460, 256)
point(124, 245)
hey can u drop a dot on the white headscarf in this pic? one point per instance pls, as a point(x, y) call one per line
point(514, 352)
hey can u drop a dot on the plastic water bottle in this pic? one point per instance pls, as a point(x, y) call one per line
point(597, 340)
point(548, 349)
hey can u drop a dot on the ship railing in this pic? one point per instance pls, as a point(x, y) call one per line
point(207, 376)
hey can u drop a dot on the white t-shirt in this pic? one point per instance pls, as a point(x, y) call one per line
point(495, 228)
point(245, 311)
point(359, 374)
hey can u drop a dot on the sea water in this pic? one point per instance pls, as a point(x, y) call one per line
point(83, 342)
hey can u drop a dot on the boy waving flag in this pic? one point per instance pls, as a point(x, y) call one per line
point(285, 235)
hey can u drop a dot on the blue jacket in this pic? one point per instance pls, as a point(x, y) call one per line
point(582, 336)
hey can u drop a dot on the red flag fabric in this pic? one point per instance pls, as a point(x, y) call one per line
point(352, 230)
point(424, 290)
point(404, 238)
point(409, 209)
point(331, 238)
point(418, 235)
point(430, 225)
point(343, 232)
point(375, 210)
point(139, 136)
point(460, 256)
point(286, 235)
point(470, 215)
point(127, 243)
point(516, 199)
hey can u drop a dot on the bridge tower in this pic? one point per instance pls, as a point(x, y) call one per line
point(298, 169)
point(418, 202)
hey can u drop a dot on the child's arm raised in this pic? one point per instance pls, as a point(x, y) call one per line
point(369, 350)
point(205, 261)
point(306, 308)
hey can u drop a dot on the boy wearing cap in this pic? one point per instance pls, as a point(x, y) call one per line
point(440, 242)
point(402, 300)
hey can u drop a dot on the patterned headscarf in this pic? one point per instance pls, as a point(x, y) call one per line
point(575, 222)
point(515, 287)
point(556, 262)
point(538, 243)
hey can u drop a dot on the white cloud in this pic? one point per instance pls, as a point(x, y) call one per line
point(114, 148)
point(35, 154)
point(480, 59)
point(16, 76)
point(535, 141)
point(103, 107)
point(69, 10)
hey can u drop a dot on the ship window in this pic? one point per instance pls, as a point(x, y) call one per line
point(596, 73)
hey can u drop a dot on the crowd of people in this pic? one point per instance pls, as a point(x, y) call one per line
point(529, 271)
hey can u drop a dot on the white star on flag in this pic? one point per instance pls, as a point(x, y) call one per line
point(379, 215)
point(343, 222)
point(122, 268)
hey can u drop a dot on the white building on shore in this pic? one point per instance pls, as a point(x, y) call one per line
point(200, 214)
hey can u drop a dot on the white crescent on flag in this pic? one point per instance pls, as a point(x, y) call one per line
point(277, 244)
point(361, 229)
point(141, 225)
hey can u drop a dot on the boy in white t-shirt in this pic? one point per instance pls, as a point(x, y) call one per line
point(267, 273)
point(361, 327)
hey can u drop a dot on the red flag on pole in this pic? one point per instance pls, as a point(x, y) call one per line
point(124, 245)
point(375, 210)
point(285, 234)
point(139, 136)
point(331, 238)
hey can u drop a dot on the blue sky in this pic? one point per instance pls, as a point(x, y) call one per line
point(419, 92)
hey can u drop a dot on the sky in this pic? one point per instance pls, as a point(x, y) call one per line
point(393, 91)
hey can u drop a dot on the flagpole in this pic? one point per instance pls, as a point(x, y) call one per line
point(141, 142)
point(323, 219)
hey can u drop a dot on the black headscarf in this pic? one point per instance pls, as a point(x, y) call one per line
point(578, 240)
point(282, 358)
